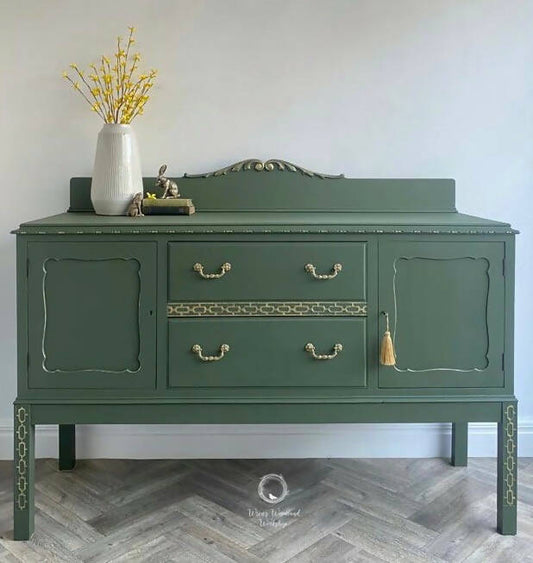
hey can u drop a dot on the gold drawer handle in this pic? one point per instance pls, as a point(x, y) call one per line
point(311, 349)
point(226, 267)
point(309, 268)
point(197, 349)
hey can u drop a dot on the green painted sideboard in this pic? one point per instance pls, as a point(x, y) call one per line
point(266, 307)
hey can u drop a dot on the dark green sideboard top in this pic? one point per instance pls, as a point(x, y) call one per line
point(283, 201)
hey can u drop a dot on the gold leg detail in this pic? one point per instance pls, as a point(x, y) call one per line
point(510, 454)
point(22, 420)
point(507, 470)
point(24, 457)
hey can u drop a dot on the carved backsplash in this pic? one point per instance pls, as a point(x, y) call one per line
point(260, 166)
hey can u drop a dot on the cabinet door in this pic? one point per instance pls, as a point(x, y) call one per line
point(92, 314)
point(445, 302)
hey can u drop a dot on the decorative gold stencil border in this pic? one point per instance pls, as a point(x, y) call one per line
point(510, 455)
point(268, 309)
point(21, 467)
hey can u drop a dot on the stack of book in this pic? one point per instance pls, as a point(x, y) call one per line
point(168, 206)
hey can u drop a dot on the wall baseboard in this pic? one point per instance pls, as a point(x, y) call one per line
point(267, 441)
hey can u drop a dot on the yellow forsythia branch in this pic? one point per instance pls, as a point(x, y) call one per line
point(117, 93)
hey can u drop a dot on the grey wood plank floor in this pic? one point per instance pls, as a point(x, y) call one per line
point(337, 510)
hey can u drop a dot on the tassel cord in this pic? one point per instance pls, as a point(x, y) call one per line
point(387, 353)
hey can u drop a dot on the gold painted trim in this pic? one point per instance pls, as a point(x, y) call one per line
point(268, 309)
point(510, 455)
point(45, 324)
point(259, 229)
point(395, 300)
point(21, 466)
point(268, 166)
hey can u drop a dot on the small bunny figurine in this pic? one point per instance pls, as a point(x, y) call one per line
point(170, 187)
point(135, 209)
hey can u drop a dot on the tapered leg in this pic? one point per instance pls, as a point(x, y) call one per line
point(459, 443)
point(24, 473)
point(67, 446)
point(507, 461)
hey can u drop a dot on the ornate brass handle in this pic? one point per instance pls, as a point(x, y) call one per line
point(311, 349)
point(226, 267)
point(309, 268)
point(197, 349)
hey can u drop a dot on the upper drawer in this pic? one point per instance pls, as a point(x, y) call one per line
point(270, 270)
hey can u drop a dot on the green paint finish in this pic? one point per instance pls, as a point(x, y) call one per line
point(445, 304)
point(310, 412)
point(77, 293)
point(286, 191)
point(460, 444)
point(227, 223)
point(96, 346)
point(267, 352)
point(67, 447)
point(91, 315)
point(262, 271)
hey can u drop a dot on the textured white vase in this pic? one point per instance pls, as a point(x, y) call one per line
point(117, 170)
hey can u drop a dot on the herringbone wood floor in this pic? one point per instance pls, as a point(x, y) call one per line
point(197, 511)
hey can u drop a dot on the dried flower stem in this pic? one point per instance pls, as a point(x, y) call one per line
point(77, 87)
point(97, 106)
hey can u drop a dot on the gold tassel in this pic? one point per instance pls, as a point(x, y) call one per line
point(387, 354)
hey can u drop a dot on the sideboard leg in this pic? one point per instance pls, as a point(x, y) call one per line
point(459, 444)
point(507, 461)
point(67, 446)
point(24, 460)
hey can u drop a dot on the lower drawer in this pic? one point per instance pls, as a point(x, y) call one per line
point(267, 352)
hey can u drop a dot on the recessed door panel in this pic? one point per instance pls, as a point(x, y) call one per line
point(445, 302)
point(92, 315)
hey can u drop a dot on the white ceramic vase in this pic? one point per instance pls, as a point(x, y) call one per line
point(117, 170)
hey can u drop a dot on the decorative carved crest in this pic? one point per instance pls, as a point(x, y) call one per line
point(259, 166)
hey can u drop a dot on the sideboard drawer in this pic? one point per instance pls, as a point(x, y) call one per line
point(260, 271)
point(267, 352)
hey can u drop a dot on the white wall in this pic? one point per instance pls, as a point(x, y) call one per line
point(371, 88)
